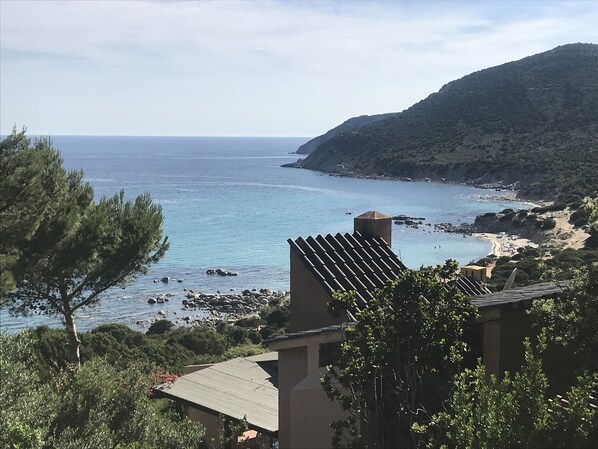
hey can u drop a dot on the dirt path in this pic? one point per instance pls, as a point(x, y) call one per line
point(564, 234)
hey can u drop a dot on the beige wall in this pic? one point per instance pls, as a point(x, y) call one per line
point(309, 300)
point(475, 273)
point(311, 414)
point(210, 422)
point(304, 411)
point(292, 368)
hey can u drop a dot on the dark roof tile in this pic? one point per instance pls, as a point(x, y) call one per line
point(345, 262)
point(521, 294)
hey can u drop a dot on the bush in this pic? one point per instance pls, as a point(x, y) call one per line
point(277, 320)
point(530, 251)
point(200, 341)
point(577, 215)
point(28, 403)
point(160, 327)
point(552, 208)
point(97, 406)
point(506, 217)
point(518, 221)
point(548, 224)
point(252, 322)
point(51, 346)
point(103, 407)
point(580, 222)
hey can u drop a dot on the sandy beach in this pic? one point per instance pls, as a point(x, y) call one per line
point(563, 235)
point(504, 244)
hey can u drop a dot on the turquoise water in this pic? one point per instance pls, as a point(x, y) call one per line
point(227, 203)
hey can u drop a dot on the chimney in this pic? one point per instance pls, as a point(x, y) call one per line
point(373, 224)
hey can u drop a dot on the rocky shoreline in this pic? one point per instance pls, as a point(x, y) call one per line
point(201, 308)
point(549, 228)
point(499, 186)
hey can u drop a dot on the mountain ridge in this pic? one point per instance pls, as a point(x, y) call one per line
point(347, 125)
point(531, 124)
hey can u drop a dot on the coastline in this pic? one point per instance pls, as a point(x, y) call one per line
point(562, 235)
point(504, 244)
point(513, 194)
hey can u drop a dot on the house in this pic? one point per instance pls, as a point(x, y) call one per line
point(280, 393)
point(363, 261)
point(475, 272)
point(244, 387)
point(505, 324)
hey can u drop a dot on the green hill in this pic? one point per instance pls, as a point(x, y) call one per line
point(532, 124)
point(347, 125)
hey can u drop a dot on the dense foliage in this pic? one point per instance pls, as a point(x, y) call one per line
point(398, 359)
point(570, 321)
point(532, 268)
point(589, 211)
point(347, 125)
point(30, 180)
point(513, 412)
point(97, 406)
point(60, 248)
point(121, 346)
point(402, 381)
point(533, 123)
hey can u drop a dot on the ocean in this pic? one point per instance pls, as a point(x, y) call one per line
point(228, 203)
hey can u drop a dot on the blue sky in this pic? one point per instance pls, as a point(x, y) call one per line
point(253, 68)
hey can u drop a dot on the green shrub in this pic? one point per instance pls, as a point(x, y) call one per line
point(580, 222)
point(160, 327)
point(200, 341)
point(252, 322)
point(518, 221)
point(506, 217)
point(548, 224)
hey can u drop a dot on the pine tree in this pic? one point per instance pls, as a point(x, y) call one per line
point(59, 248)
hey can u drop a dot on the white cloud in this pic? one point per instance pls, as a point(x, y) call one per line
point(253, 68)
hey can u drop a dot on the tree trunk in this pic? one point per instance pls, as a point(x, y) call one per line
point(74, 341)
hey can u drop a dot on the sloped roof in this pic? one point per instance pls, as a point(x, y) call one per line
point(520, 294)
point(469, 287)
point(335, 331)
point(345, 262)
point(236, 388)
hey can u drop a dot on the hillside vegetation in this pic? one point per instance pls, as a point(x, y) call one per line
point(347, 125)
point(530, 124)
